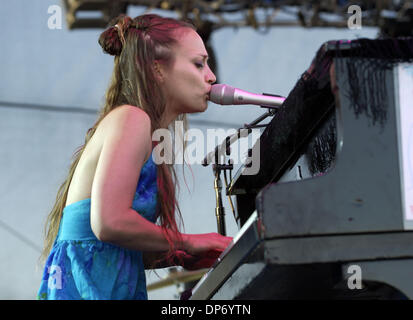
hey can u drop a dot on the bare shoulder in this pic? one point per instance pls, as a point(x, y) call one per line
point(128, 121)
point(130, 114)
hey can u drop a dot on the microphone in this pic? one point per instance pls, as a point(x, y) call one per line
point(227, 95)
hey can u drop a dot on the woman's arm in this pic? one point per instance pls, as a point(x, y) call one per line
point(127, 144)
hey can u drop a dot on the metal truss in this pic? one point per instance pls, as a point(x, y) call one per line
point(258, 14)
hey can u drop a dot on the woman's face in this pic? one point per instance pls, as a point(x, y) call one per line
point(187, 82)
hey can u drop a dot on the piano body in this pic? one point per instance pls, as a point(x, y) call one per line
point(332, 204)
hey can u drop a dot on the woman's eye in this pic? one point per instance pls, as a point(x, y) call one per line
point(199, 65)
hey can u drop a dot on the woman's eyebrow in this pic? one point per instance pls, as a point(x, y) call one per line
point(205, 56)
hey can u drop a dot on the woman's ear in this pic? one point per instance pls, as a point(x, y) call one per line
point(158, 71)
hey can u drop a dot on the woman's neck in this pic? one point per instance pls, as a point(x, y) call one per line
point(168, 118)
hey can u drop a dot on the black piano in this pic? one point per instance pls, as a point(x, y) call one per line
point(329, 215)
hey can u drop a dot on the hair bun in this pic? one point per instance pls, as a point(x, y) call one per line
point(111, 39)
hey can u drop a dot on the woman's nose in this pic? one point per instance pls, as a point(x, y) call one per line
point(210, 76)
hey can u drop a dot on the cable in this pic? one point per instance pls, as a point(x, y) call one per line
point(229, 196)
point(18, 235)
point(32, 106)
point(39, 107)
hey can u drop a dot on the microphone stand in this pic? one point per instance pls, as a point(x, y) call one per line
point(217, 167)
point(271, 111)
point(219, 209)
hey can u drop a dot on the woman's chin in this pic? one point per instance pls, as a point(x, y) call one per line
point(204, 107)
point(199, 108)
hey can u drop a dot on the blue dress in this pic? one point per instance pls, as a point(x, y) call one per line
point(80, 266)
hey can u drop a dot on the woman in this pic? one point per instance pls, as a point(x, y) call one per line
point(101, 231)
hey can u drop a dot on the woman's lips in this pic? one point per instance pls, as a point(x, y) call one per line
point(208, 93)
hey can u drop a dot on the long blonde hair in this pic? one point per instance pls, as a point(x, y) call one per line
point(136, 44)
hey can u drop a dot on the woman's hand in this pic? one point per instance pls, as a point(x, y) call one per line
point(198, 251)
point(198, 244)
point(190, 262)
